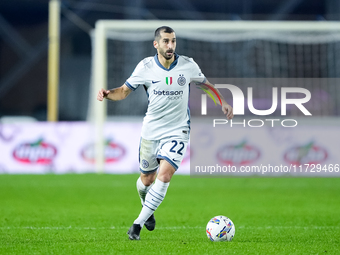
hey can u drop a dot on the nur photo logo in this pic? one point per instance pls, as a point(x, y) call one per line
point(239, 103)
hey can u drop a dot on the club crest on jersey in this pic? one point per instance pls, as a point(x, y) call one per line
point(181, 80)
point(145, 163)
point(168, 80)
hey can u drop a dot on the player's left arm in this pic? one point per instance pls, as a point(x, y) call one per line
point(226, 108)
point(210, 88)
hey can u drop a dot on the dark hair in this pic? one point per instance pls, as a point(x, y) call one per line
point(164, 29)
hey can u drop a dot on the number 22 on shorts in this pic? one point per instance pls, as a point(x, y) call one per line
point(177, 149)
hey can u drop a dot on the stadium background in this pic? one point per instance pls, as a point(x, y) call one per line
point(39, 147)
point(23, 44)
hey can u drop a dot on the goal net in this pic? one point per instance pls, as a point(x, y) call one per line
point(235, 49)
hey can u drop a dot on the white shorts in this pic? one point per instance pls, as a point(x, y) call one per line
point(172, 149)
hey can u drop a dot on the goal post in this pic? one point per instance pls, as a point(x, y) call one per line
point(239, 48)
point(98, 109)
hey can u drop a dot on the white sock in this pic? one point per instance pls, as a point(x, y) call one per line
point(153, 199)
point(142, 189)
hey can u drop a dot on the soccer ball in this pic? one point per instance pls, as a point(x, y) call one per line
point(220, 228)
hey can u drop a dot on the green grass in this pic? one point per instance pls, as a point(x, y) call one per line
point(90, 214)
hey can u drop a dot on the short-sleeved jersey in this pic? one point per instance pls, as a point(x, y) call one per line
point(168, 95)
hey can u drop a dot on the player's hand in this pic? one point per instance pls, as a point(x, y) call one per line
point(102, 94)
point(228, 111)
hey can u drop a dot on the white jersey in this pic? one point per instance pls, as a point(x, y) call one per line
point(168, 94)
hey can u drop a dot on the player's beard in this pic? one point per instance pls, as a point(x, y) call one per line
point(165, 55)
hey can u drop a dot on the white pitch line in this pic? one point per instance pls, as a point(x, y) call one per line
point(169, 228)
point(92, 228)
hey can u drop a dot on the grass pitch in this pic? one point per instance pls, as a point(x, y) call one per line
point(90, 214)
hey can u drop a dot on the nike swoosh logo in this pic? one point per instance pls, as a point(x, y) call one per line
point(153, 82)
point(175, 160)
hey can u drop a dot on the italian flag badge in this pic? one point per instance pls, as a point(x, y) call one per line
point(168, 80)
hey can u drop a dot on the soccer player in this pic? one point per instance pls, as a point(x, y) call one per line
point(166, 125)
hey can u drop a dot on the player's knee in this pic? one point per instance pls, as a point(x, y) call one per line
point(148, 179)
point(164, 177)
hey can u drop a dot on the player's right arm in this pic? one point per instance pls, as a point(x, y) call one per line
point(115, 94)
point(131, 84)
